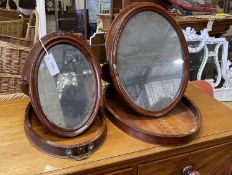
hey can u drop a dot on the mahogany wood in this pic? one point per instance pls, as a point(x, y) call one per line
point(112, 41)
point(215, 160)
point(179, 126)
point(120, 151)
point(75, 148)
point(30, 77)
point(98, 46)
point(106, 73)
point(220, 26)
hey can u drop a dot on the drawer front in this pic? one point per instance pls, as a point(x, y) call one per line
point(128, 171)
point(114, 171)
point(211, 161)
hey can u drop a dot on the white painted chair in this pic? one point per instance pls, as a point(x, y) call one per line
point(224, 70)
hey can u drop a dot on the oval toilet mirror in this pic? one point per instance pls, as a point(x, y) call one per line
point(148, 59)
point(66, 99)
point(67, 102)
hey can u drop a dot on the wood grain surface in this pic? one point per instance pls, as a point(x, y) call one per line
point(119, 151)
point(216, 160)
point(177, 127)
point(94, 131)
point(220, 26)
point(77, 148)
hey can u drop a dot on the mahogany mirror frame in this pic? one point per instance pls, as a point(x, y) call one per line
point(112, 41)
point(34, 59)
point(78, 149)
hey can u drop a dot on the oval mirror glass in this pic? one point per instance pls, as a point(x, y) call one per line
point(150, 61)
point(67, 99)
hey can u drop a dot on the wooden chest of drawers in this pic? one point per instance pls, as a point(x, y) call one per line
point(210, 153)
point(214, 160)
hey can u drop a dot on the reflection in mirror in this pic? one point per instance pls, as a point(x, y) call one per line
point(149, 61)
point(67, 98)
point(99, 16)
point(93, 8)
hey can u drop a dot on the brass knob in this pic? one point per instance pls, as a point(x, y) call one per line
point(188, 170)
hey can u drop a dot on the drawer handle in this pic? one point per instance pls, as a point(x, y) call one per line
point(188, 170)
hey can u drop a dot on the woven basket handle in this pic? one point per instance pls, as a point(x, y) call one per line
point(33, 27)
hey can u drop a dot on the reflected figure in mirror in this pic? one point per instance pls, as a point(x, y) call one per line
point(73, 108)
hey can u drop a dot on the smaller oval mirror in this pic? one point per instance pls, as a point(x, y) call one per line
point(67, 102)
point(148, 59)
point(68, 98)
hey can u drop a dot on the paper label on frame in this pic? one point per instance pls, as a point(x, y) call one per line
point(51, 64)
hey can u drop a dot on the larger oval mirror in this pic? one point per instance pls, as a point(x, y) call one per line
point(149, 61)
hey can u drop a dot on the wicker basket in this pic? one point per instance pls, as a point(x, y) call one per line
point(12, 27)
point(3, 18)
point(12, 57)
point(13, 52)
point(9, 83)
point(9, 13)
point(33, 27)
point(10, 23)
point(18, 41)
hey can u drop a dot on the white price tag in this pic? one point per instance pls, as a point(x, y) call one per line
point(51, 64)
point(210, 26)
